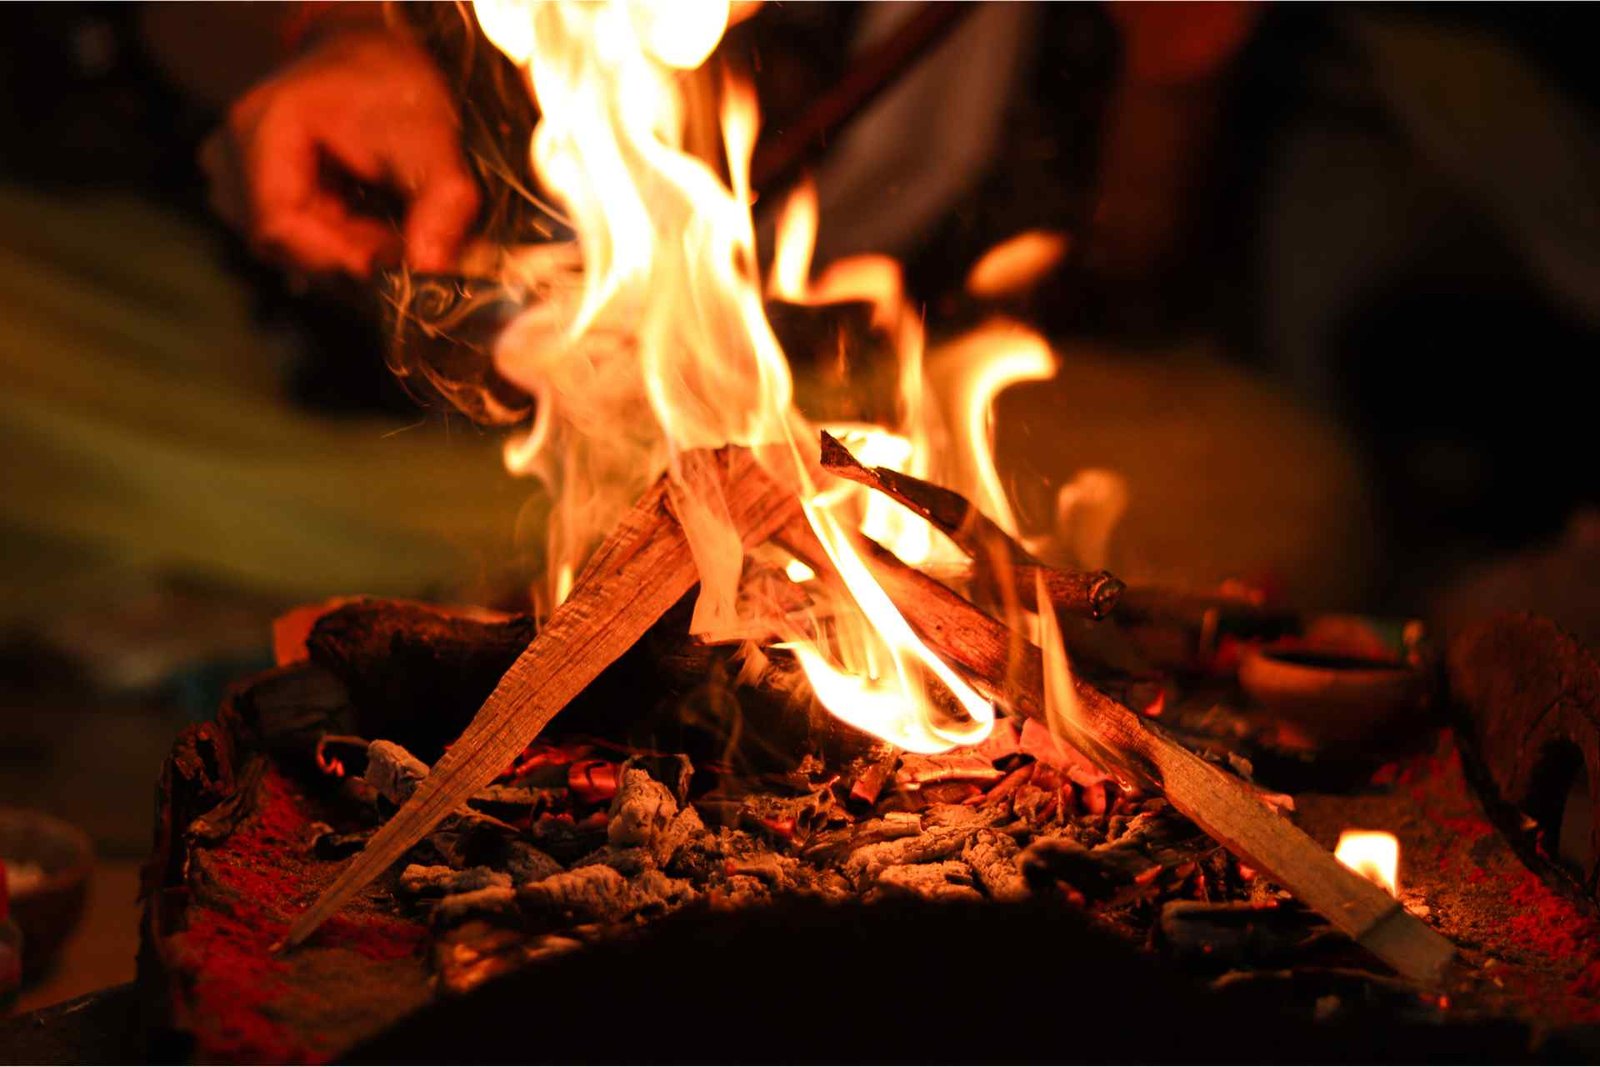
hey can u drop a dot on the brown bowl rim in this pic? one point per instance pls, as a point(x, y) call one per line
point(66, 877)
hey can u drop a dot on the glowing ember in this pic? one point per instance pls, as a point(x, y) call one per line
point(1373, 854)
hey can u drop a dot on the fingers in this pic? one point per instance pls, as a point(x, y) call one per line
point(374, 105)
point(291, 217)
point(437, 220)
point(326, 237)
point(442, 199)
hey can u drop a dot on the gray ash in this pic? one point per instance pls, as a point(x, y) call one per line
point(567, 849)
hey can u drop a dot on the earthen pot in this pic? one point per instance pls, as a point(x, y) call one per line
point(1329, 700)
point(48, 910)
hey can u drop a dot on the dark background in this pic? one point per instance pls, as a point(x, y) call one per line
point(1458, 371)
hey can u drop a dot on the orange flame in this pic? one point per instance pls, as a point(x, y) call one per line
point(650, 341)
point(796, 238)
point(972, 373)
point(1373, 854)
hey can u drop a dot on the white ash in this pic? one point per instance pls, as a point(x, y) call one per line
point(599, 893)
point(939, 843)
point(827, 847)
point(641, 814)
point(496, 900)
point(500, 888)
point(946, 880)
point(590, 892)
point(420, 881)
point(393, 771)
point(994, 859)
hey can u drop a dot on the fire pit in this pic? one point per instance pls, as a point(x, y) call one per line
point(802, 714)
point(685, 842)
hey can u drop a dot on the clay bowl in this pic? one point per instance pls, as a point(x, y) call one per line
point(50, 909)
point(1329, 700)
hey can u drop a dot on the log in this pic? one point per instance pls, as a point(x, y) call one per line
point(416, 673)
point(643, 568)
point(997, 557)
point(1007, 668)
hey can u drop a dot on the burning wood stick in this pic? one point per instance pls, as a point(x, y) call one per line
point(991, 548)
point(1009, 669)
point(641, 570)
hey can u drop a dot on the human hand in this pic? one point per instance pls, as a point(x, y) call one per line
point(371, 102)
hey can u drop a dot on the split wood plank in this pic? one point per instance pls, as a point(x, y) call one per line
point(641, 570)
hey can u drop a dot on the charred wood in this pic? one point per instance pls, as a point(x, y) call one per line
point(1528, 698)
point(1002, 567)
point(393, 772)
point(836, 844)
point(865, 863)
point(415, 673)
point(1225, 936)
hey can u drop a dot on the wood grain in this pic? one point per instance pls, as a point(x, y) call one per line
point(637, 574)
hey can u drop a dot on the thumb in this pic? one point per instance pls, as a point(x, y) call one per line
point(437, 220)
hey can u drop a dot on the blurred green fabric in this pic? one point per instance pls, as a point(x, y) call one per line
point(145, 436)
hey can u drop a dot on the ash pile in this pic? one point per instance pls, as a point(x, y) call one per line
point(717, 796)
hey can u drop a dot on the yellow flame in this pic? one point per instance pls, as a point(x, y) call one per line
point(974, 371)
point(1088, 509)
point(654, 344)
point(682, 34)
point(796, 238)
point(1060, 695)
point(1373, 854)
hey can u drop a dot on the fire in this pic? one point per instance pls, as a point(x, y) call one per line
point(650, 341)
point(977, 369)
point(797, 237)
point(1373, 854)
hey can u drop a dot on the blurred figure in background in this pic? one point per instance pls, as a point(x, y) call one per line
point(171, 445)
point(1120, 125)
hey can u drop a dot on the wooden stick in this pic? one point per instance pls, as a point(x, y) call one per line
point(1008, 669)
point(996, 555)
point(641, 570)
